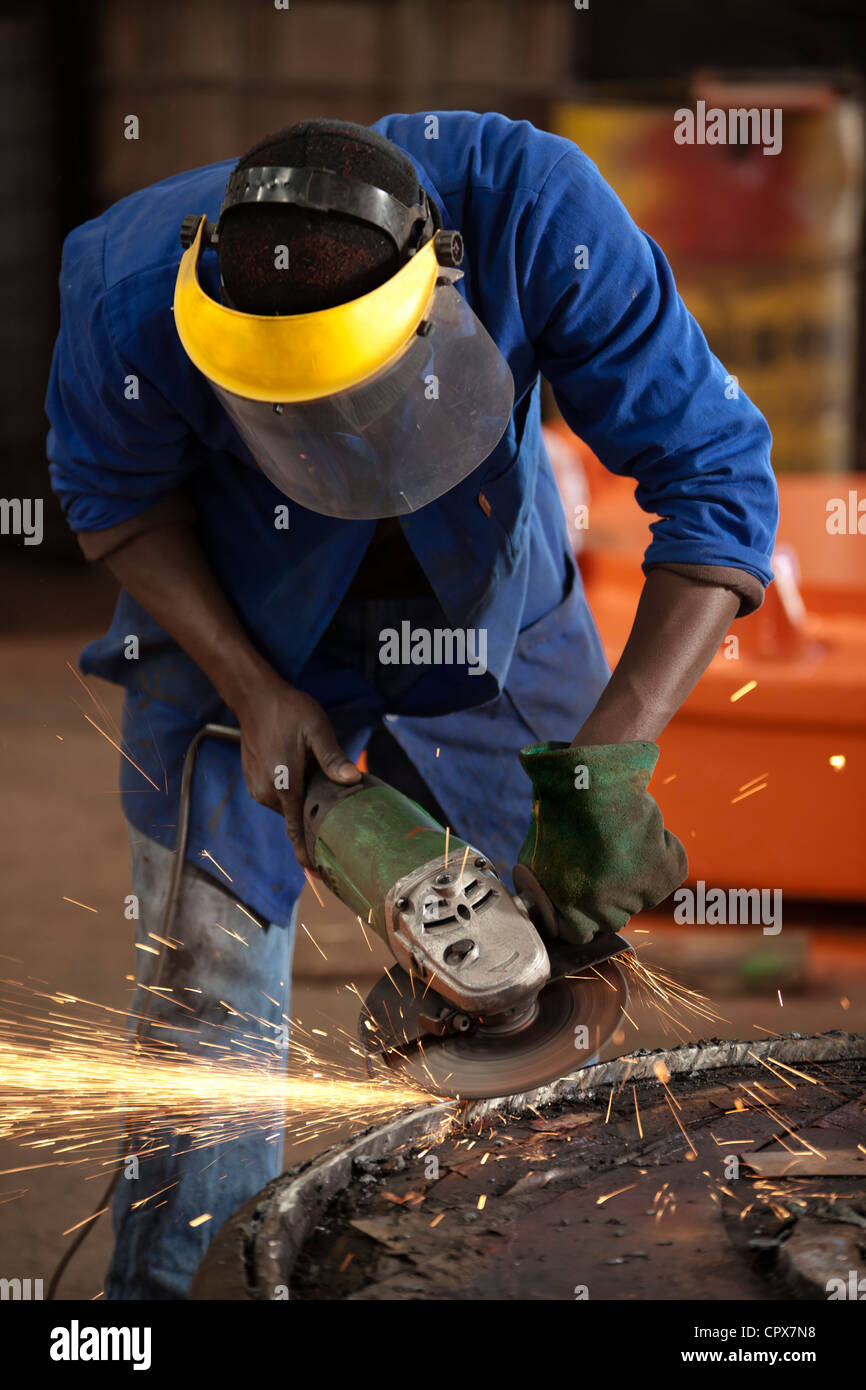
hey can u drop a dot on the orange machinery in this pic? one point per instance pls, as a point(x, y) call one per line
point(762, 771)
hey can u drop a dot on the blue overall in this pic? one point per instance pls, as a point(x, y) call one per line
point(569, 288)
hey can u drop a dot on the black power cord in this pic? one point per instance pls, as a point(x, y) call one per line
point(231, 735)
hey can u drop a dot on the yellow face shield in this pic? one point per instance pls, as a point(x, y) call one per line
point(369, 409)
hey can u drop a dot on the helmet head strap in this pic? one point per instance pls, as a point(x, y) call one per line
point(321, 190)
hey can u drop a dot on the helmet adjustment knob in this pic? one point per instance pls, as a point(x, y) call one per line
point(189, 227)
point(448, 247)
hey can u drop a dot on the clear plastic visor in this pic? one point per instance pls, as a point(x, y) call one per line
point(401, 438)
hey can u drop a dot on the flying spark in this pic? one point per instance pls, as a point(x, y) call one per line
point(600, 1201)
point(205, 854)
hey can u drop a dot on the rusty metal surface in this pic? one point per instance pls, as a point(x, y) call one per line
point(664, 1228)
point(255, 1251)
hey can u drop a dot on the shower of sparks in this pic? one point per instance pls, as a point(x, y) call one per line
point(837, 761)
point(781, 1120)
point(675, 1004)
point(743, 690)
point(72, 1084)
point(76, 903)
point(447, 841)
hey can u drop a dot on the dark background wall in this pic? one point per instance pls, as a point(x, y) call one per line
point(633, 41)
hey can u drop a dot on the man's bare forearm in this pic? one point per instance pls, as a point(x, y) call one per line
point(678, 628)
point(166, 571)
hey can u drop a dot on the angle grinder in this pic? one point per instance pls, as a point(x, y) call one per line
point(487, 997)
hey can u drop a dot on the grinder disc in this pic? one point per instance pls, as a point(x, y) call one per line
point(487, 1063)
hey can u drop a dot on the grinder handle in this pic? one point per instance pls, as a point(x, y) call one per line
point(322, 796)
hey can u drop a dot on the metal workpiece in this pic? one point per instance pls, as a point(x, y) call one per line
point(686, 1060)
point(253, 1255)
point(257, 1255)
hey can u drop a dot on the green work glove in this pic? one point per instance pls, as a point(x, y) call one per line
point(597, 843)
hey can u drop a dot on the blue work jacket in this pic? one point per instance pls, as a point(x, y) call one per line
point(569, 288)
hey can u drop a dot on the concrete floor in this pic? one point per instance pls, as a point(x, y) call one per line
point(63, 836)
